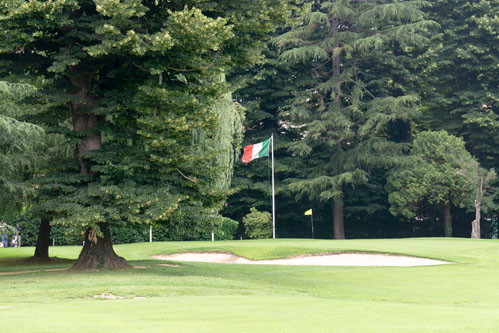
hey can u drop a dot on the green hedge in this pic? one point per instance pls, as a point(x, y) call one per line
point(189, 228)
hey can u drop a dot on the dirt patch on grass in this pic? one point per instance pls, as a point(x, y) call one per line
point(169, 265)
point(107, 296)
point(334, 259)
point(112, 296)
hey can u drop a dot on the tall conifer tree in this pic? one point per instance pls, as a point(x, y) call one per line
point(352, 90)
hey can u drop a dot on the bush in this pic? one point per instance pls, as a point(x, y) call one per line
point(188, 223)
point(62, 235)
point(227, 230)
point(122, 233)
point(258, 224)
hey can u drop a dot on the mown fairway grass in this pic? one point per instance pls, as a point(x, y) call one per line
point(200, 297)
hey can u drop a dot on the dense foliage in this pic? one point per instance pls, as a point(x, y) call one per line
point(21, 145)
point(460, 75)
point(257, 224)
point(120, 233)
point(139, 88)
point(431, 175)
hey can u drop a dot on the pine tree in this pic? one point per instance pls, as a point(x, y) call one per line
point(353, 90)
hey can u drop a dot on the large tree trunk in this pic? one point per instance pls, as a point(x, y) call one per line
point(475, 224)
point(336, 61)
point(42, 245)
point(98, 252)
point(85, 122)
point(338, 226)
point(447, 221)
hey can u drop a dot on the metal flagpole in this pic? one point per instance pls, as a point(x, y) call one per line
point(312, 219)
point(273, 193)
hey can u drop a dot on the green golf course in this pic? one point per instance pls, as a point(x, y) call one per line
point(210, 297)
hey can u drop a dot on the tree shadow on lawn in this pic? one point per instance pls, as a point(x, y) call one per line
point(22, 265)
point(19, 265)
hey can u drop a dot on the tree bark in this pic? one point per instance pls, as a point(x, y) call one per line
point(84, 122)
point(98, 253)
point(336, 61)
point(447, 221)
point(338, 222)
point(42, 245)
point(475, 224)
point(338, 225)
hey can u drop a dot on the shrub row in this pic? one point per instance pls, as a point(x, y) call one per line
point(225, 229)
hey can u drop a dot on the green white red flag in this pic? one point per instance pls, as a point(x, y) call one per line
point(257, 150)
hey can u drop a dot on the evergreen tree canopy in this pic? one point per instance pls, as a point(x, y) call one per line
point(460, 81)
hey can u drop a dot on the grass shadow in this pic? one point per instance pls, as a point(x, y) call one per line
point(17, 264)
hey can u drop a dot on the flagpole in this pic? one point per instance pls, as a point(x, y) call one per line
point(312, 219)
point(273, 193)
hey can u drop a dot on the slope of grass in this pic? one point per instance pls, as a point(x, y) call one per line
point(247, 298)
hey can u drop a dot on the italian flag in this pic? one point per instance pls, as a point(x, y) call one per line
point(255, 151)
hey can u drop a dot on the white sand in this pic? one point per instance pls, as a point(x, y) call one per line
point(340, 259)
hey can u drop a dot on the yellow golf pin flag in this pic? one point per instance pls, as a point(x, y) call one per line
point(309, 212)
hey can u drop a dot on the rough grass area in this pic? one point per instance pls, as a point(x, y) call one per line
point(205, 297)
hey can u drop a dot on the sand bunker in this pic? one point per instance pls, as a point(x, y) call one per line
point(339, 259)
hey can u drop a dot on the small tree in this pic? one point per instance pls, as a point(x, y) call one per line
point(258, 224)
point(431, 175)
point(481, 180)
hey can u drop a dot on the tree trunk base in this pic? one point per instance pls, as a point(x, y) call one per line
point(338, 222)
point(43, 242)
point(475, 229)
point(447, 221)
point(98, 253)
